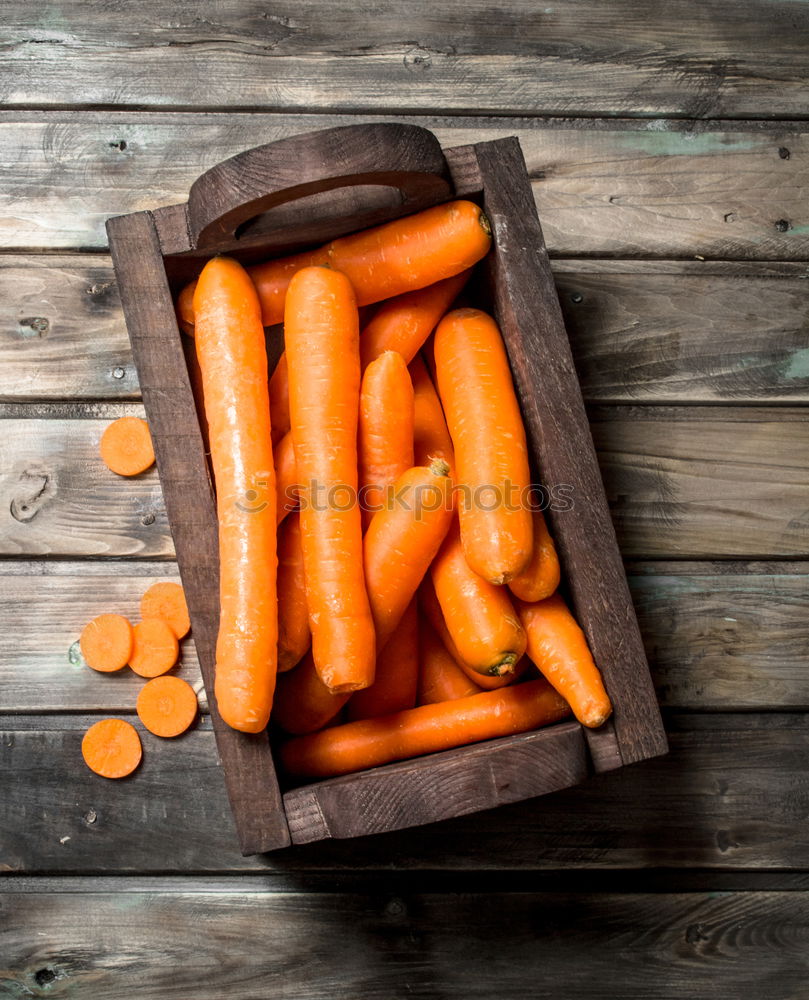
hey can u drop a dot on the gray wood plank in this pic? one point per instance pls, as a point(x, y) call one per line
point(662, 188)
point(576, 57)
point(362, 946)
point(685, 482)
point(719, 637)
point(731, 794)
point(652, 331)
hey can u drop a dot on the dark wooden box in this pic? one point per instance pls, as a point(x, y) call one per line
point(282, 197)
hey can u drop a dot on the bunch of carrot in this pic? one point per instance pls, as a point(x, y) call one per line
point(166, 704)
point(379, 558)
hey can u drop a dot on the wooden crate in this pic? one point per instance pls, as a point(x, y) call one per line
point(297, 192)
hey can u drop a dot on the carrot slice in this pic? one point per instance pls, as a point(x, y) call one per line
point(303, 703)
point(322, 337)
point(112, 748)
point(541, 576)
point(154, 648)
point(106, 643)
point(397, 671)
point(480, 616)
point(126, 446)
point(167, 706)
point(440, 677)
point(422, 730)
point(491, 452)
point(559, 648)
point(430, 435)
point(385, 442)
point(294, 635)
point(166, 600)
point(402, 541)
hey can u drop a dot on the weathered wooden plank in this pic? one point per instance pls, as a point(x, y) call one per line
point(62, 332)
point(41, 667)
point(731, 794)
point(577, 57)
point(718, 637)
point(633, 188)
point(641, 331)
point(695, 482)
point(723, 945)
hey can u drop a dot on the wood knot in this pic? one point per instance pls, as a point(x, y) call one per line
point(418, 60)
point(44, 977)
point(783, 152)
point(30, 327)
point(36, 489)
point(782, 225)
point(119, 144)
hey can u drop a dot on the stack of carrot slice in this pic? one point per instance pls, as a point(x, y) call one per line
point(383, 563)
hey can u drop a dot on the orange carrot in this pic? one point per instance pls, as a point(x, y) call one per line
point(112, 748)
point(166, 600)
point(440, 677)
point(480, 617)
point(491, 453)
point(435, 616)
point(287, 488)
point(397, 668)
point(540, 578)
point(403, 323)
point(185, 308)
point(154, 648)
point(294, 636)
point(106, 643)
point(430, 435)
point(303, 703)
point(322, 339)
point(233, 358)
point(385, 441)
point(167, 706)
point(126, 446)
point(422, 730)
point(279, 400)
point(402, 540)
point(558, 647)
point(381, 262)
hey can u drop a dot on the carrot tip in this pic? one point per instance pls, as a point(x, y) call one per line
point(485, 225)
point(439, 467)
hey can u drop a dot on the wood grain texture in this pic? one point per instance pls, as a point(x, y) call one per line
point(659, 188)
point(731, 794)
point(526, 307)
point(576, 57)
point(719, 636)
point(439, 786)
point(710, 485)
point(641, 331)
point(191, 507)
point(684, 482)
point(476, 945)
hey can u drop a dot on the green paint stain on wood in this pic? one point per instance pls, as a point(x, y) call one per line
point(657, 141)
point(798, 366)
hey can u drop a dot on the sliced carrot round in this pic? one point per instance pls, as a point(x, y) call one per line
point(112, 748)
point(167, 706)
point(126, 446)
point(154, 648)
point(167, 601)
point(106, 643)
